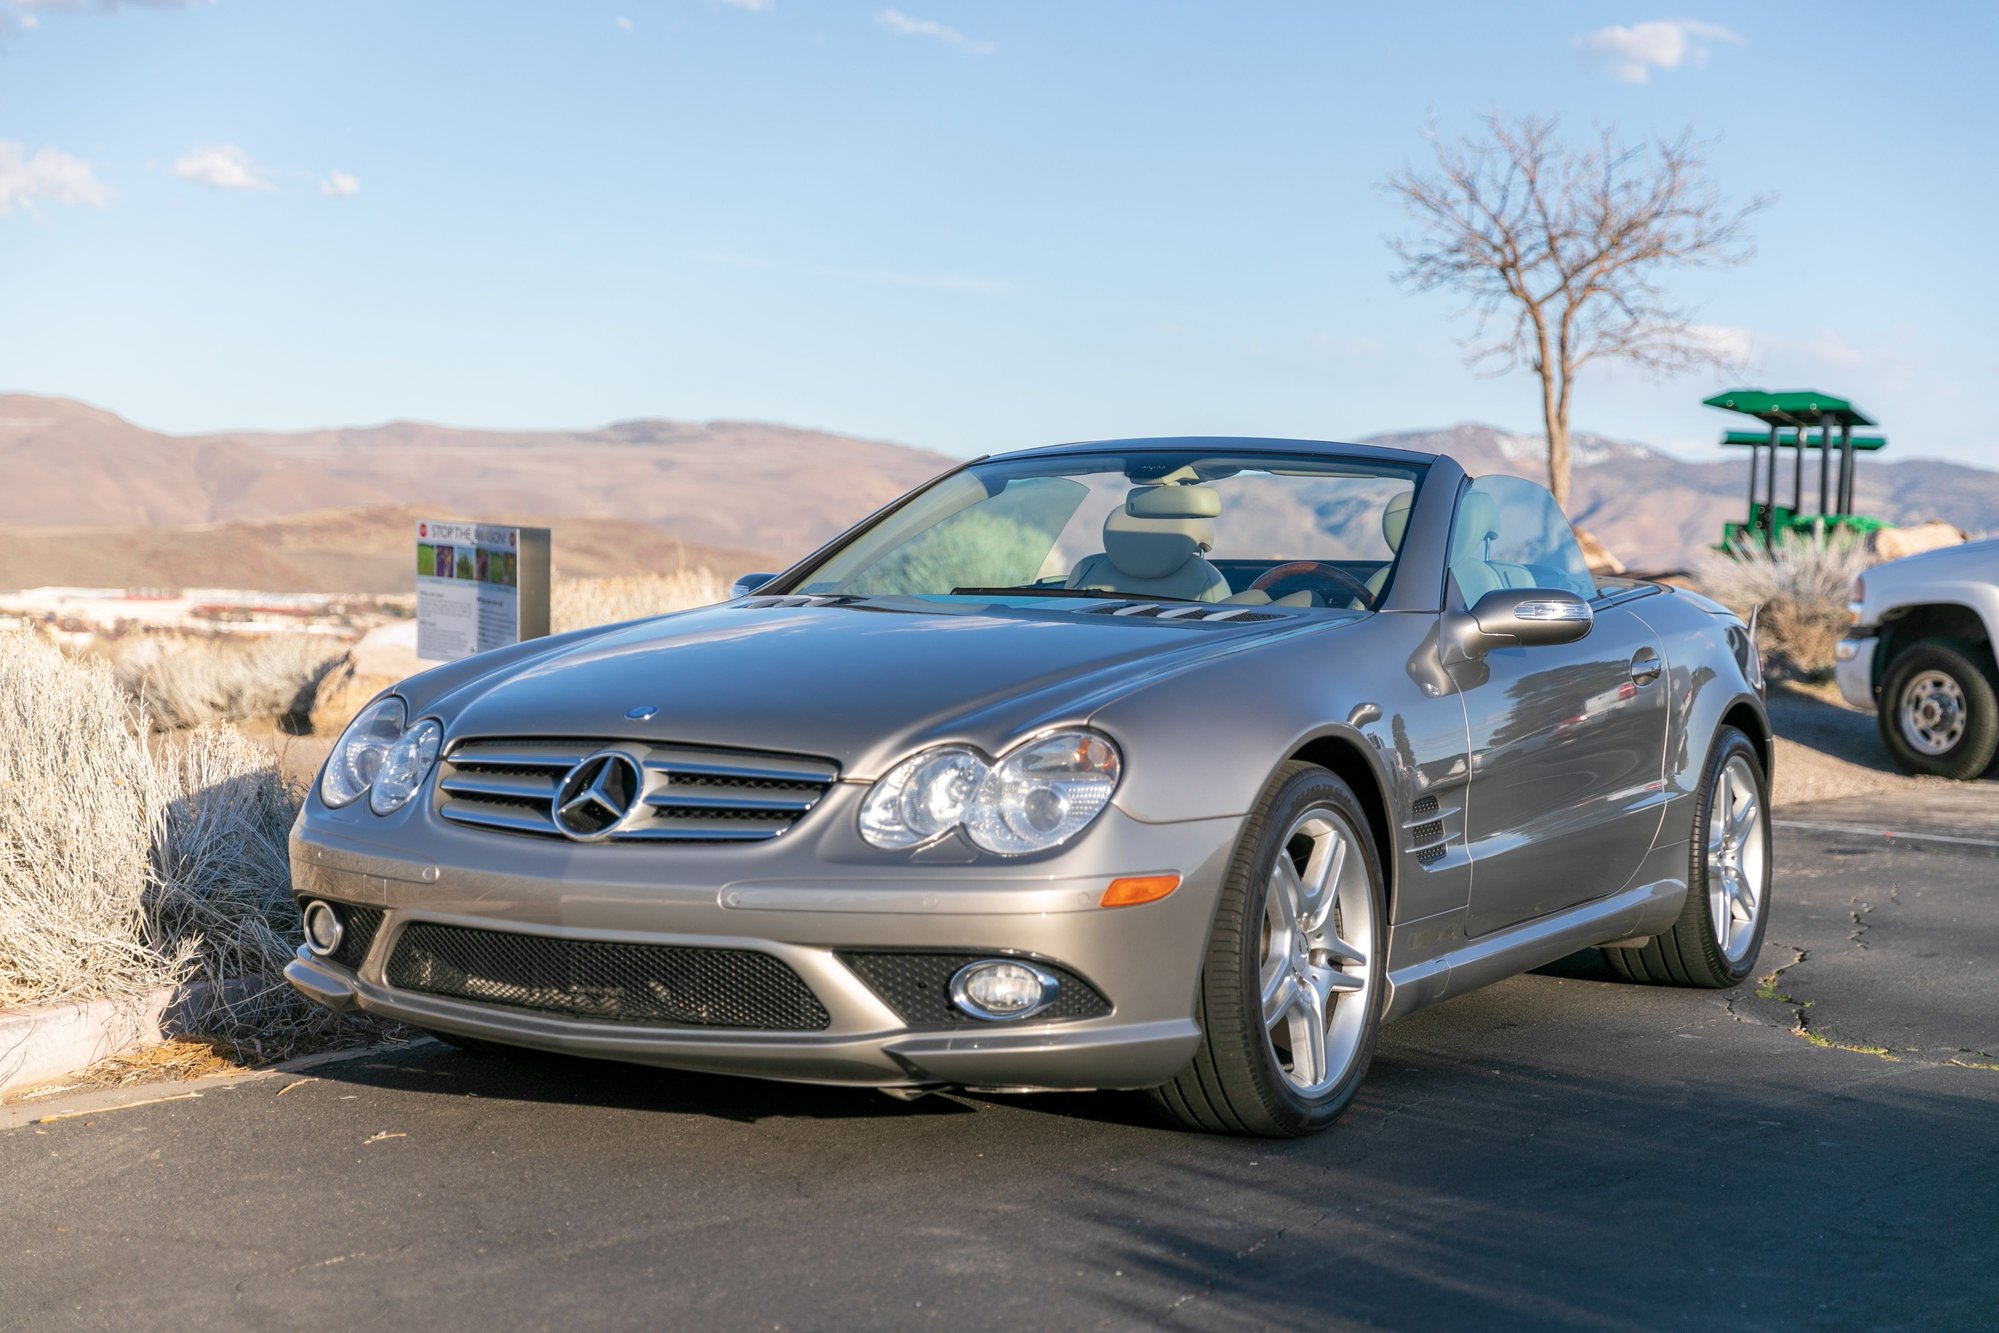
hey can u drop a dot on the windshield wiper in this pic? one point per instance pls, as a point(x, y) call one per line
point(1101, 593)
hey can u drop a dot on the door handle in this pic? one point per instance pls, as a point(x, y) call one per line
point(1645, 667)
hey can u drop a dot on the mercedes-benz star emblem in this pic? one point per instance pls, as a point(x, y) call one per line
point(641, 713)
point(597, 795)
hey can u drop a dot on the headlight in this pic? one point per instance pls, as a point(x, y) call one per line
point(921, 797)
point(1039, 795)
point(357, 756)
point(404, 767)
point(1857, 608)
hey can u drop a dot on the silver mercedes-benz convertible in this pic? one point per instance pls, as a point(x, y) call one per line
point(1175, 764)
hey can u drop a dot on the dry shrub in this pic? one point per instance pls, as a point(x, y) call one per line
point(576, 603)
point(188, 681)
point(129, 862)
point(75, 790)
point(1802, 586)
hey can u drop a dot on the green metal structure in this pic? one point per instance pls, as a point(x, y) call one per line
point(1803, 421)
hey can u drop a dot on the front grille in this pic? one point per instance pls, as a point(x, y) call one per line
point(689, 794)
point(918, 987)
point(668, 985)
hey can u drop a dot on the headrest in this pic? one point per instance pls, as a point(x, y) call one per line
point(1173, 502)
point(1395, 518)
point(1153, 548)
point(1478, 519)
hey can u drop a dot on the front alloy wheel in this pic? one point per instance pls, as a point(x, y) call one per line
point(1720, 931)
point(1292, 990)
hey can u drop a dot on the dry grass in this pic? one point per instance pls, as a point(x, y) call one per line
point(1802, 586)
point(76, 787)
point(129, 862)
point(581, 603)
point(192, 681)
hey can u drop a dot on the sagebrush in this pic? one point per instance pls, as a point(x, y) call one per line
point(131, 861)
point(197, 680)
point(578, 603)
point(1802, 586)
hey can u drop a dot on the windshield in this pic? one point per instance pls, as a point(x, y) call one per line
point(1148, 525)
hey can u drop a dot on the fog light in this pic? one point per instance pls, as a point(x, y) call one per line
point(997, 989)
point(323, 930)
point(1845, 650)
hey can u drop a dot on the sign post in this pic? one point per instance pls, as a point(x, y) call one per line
point(479, 586)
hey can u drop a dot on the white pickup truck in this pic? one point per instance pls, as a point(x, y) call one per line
point(1920, 653)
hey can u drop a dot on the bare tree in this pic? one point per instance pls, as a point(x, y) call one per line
point(1560, 250)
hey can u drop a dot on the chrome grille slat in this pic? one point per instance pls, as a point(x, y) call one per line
point(513, 786)
point(690, 794)
point(765, 768)
point(674, 798)
point(517, 818)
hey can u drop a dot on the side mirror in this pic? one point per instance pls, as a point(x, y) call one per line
point(746, 584)
point(1515, 618)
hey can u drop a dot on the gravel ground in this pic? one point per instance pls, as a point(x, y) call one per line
point(1827, 749)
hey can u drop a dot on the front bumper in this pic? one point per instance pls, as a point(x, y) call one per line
point(801, 906)
point(1853, 670)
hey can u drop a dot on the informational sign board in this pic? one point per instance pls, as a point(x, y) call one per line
point(479, 586)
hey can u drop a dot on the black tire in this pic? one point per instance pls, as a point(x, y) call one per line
point(1689, 954)
point(1969, 669)
point(1235, 1083)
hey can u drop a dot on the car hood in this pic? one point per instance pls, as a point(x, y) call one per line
point(857, 685)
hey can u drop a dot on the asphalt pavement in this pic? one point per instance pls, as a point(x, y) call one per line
point(1559, 1150)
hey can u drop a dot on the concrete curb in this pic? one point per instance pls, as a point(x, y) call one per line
point(43, 1044)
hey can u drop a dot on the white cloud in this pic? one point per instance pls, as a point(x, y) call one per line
point(30, 22)
point(223, 166)
point(623, 24)
point(1632, 52)
point(754, 6)
point(904, 26)
point(1731, 342)
point(339, 185)
point(50, 174)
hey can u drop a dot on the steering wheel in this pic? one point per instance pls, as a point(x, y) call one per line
point(1276, 574)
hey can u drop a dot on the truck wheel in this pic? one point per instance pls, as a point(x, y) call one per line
point(1720, 931)
point(1938, 711)
point(1292, 991)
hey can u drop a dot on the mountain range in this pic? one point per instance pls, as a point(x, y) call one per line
point(87, 497)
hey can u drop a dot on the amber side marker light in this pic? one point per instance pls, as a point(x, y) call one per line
point(1135, 889)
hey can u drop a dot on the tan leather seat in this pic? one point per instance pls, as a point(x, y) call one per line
point(1394, 523)
point(1153, 544)
point(1471, 539)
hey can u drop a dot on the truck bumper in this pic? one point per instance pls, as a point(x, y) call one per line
point(1853, 669)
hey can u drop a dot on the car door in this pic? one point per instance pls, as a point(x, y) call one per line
point(1567, 741)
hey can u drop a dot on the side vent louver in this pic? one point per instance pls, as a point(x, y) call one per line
point(1430, 828)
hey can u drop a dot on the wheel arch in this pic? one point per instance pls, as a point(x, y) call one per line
point(1347, 759)
point(1906, 626)
point(1748, 719)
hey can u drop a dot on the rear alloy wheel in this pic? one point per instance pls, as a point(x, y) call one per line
point(1293, 987)
point(1720, 931)
point(1938, 711)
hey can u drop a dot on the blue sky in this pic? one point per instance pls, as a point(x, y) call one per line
point(969, 226)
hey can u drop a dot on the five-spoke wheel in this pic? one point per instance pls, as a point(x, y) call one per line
point(1292, 989)
point(1720, 930)
point(1318, 938)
